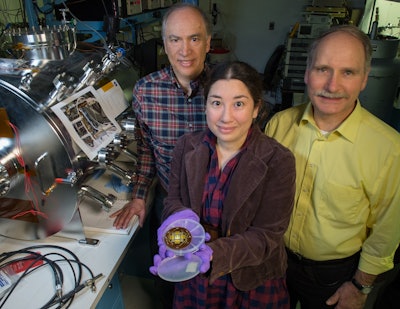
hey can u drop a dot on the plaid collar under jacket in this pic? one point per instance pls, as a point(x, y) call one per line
point(217, 181)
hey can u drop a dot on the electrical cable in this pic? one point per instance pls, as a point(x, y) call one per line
point(53, 260)
point(104, 7)
point(22, 4)
point(56, 270)
point(105, 46)
point(57, 298)
point(29, 192)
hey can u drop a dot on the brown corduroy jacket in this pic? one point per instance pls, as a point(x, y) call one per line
point(256, 209)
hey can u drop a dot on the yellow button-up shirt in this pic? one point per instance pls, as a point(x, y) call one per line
point(347, 187)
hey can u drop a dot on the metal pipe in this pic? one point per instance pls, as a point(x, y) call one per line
point(106, 201)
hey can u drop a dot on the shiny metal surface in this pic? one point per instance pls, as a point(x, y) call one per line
point(379, 95)
point(53, 43)
point(39, 152)
point(42, 171)
point(106, 201)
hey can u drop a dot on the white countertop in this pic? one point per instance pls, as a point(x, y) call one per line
point(103, 258)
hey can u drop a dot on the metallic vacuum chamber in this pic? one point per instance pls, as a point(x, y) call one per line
point(384, 79)
point(43, 169)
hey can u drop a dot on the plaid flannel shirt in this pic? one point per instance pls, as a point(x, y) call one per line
point(164, 113)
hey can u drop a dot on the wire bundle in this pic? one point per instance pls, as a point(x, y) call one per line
point(55, 259)
point(29, 191)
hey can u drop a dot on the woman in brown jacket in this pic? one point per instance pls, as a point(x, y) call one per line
point(237, 181)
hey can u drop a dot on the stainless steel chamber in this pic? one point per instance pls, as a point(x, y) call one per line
point(384, 79)
point(43, 169)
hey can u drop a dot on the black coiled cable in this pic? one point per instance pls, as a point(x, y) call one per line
point(53, 259)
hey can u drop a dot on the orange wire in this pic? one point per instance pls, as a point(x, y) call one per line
point(27, 180)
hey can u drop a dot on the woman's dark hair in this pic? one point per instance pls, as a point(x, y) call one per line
point(241, 71)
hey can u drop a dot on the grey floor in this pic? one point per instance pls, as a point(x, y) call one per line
point(137, 284)
point(139, 293)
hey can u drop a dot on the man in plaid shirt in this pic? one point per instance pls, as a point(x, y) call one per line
point(167, 104)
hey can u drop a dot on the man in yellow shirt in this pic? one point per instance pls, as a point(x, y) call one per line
point(345, 225)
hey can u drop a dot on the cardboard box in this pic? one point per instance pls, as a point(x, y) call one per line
point(151, 4)
point(133, 7)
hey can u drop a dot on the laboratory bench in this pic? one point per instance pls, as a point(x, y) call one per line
point(103, 258)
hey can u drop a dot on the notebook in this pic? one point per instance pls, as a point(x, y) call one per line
point(95, 218)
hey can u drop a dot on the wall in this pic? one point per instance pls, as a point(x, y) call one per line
point(244, 25)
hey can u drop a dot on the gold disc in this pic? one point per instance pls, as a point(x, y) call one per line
point(177, 238)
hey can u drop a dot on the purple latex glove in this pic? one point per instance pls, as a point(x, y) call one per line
point(205, 254)
point(156, 262)
point(183, 214)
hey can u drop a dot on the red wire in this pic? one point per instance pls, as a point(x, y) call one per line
point(27, 180)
